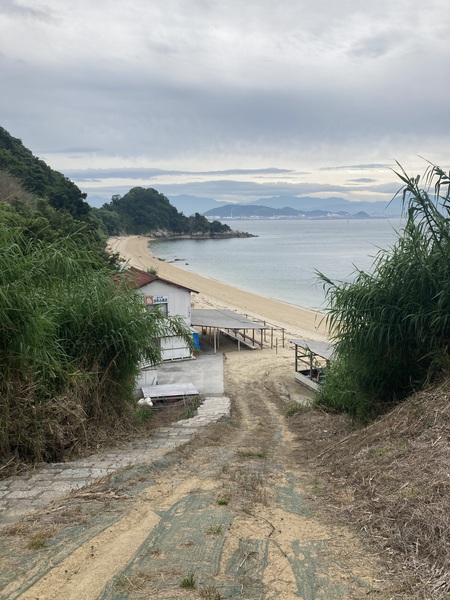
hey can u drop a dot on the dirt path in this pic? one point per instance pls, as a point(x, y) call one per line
point(231, 513)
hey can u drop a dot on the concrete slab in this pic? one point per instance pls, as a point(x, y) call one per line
point(205, 372)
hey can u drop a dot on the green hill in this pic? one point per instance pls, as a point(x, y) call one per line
point(145, 211)
point(38, 178)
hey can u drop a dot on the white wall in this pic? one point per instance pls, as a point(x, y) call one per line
point(174, 348)
point(179, 304)
point(179, 299)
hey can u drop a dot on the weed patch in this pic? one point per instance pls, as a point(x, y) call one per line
point(215, 530)
point(188, 582)
point(209, 593)
point(223, 501)
point(38, 541)
point(293, 410)
point(190, 412)
point(143, 415)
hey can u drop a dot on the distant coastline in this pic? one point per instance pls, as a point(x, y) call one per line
point(330, 217)
point(162, 234)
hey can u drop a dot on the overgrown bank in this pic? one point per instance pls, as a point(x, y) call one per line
point(71, 345)
point(72, 337)
point(391, 330)
point(390, 480)
point(391, 327)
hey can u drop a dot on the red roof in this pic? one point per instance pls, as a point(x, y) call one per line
point(137, 278)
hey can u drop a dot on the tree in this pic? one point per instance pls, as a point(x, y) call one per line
point(391, 327)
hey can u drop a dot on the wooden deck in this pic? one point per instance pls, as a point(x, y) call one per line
point(241, 338)
point(311, 361)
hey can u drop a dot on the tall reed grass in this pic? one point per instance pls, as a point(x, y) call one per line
point(391, 327)
point(71, 342)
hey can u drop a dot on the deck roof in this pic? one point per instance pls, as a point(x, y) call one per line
point(222, 319)
point(323, 349)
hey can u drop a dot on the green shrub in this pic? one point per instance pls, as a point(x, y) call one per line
point(391, 327)
point(71, 342)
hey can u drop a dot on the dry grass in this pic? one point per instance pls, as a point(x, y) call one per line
point(392, 479)
point(125, 584)
point(209, 593)
point(38, 541)
point(74, 438)
point(144, 583)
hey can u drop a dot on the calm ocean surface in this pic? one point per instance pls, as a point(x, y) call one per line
point(281, 262)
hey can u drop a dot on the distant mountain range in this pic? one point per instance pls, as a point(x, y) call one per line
point(289, 206)
point(249, 211)
point(189, 205)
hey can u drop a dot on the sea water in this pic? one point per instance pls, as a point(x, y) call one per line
point(283, 261)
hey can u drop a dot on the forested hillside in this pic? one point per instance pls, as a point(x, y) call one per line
point(38, 178)
point(145, 211)
point(71, 338)
point(140, 211)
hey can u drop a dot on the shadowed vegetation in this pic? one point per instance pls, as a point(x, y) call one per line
point(38, 179)
point(72, 338)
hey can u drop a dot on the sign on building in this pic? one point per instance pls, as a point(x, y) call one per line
point(156, 300)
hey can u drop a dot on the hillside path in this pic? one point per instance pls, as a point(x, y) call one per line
point(229, 514)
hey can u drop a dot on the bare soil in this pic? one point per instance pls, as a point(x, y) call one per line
point(236, 513)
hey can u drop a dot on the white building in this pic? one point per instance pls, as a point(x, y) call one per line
point(173, 300)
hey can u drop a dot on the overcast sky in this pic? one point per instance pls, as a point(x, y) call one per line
point(229, 99)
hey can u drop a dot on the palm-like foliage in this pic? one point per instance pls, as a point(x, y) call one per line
point(391, 327)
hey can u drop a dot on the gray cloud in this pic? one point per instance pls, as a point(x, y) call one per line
point(15, 9)
point(143, 173)
point(375, 46)
point(362, 180)
point(386, 188)
point(216, 90)
point(71, 150)
point(357, 167)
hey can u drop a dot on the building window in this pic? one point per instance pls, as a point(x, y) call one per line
point(161, 306)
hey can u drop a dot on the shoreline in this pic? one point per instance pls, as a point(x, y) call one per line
point(298, 322)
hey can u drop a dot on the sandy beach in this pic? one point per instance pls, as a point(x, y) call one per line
point(298, 322)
